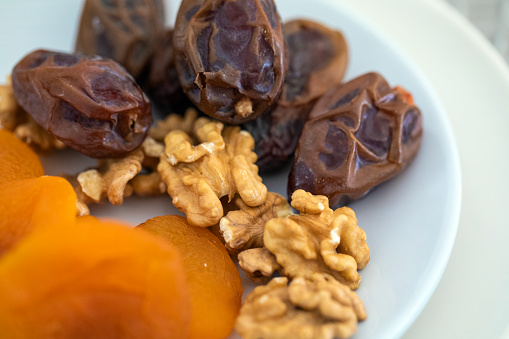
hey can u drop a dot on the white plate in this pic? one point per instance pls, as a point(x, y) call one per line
point(410, 221)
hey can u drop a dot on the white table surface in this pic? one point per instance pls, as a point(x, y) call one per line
point(472, 80)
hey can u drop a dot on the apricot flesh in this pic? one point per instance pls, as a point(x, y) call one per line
point(34, 203)
point(17, 160)
point(213, 279)
point(93, 280)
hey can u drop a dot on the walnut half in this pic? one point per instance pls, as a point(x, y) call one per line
point(318, 240)
point(317, 307)
point(212, 162)
point(9, 109)
point(119, 178)
point(243, 228)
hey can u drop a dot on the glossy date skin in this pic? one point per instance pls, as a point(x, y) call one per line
point(123, 30)
point(318, 58)
point(358, 135)
point(230, 55)
point(90, 103)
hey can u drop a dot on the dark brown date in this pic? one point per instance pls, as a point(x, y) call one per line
point(123, 30)
point(162, 83)
point(230, 56)
point(318, 59)
point(358, 135)
point(90, 103)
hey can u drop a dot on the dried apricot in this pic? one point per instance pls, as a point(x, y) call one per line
point(29, 204)
point(17, 160)
point(87, 220)
point(213, 279)
point(93, 280)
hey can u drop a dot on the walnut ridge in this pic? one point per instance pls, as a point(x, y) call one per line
point(318, 307)
point(221, 164)
point(318, 240)
point(243, 228)
point(173, 122)
point(119, 178)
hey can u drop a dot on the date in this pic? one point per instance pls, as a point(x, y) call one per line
point(231, 57)
point(318, 60)
point(123, 30)
point(358, 135)
point(162, 82)
point(88, 102)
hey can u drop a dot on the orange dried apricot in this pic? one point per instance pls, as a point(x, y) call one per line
point(213, 279)
point(94, 280)
point(17, 160)
point(87, 220)
point(29, 204)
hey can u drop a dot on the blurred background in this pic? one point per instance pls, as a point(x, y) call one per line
point(492, 19)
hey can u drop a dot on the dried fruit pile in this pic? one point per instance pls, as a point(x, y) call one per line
point(272, 93)
point(64, 276)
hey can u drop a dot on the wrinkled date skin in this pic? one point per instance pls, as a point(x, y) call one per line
point(230, 56)
point(90, 103)
point(358, 135)
point(318, 59)
point(123, 30)
point(162, 83)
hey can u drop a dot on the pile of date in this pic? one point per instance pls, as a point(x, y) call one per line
point(234, 61)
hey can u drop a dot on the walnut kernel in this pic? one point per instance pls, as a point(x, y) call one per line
point(174, 122)
point(315, 307)
point(318, 240)
point(259, 264)
point(9, 109)
point(220, 165)
point(243, 228)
